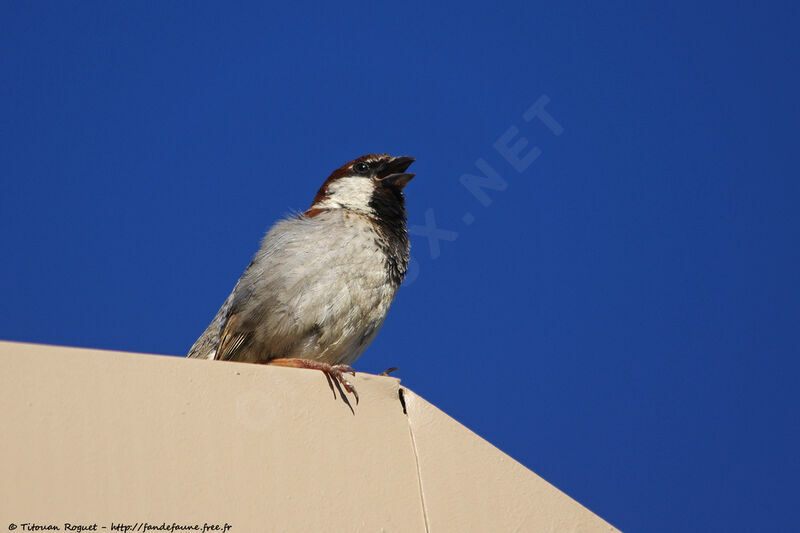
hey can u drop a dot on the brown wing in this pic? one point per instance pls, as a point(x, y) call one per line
point(232, 339)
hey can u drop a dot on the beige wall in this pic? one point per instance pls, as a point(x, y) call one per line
point(90, 436)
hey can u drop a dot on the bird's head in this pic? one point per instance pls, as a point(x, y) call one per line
point(369, 185)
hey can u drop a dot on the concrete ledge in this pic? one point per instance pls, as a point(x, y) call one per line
point(92, 436)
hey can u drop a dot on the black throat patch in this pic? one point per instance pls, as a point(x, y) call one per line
point(392, 236)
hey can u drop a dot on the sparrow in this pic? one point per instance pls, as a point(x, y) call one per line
point(318, 290)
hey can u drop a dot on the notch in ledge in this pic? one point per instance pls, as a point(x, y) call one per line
point(402, 400)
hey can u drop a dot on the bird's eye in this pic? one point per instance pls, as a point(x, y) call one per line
point(361, 168)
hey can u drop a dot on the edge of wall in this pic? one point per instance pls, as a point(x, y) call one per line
point(114, 438)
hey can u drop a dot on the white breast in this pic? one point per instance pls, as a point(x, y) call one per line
point(322, 287)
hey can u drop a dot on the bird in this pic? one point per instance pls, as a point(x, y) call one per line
point(319, 288)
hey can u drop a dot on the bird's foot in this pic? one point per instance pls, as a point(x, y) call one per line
point(335, 372)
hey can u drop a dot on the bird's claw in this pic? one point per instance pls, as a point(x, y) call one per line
point(347, 369)
point(332, 372)
point(338, 372)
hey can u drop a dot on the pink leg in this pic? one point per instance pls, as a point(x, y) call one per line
point(336, 372)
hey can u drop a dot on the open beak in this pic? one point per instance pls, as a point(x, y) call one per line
point(393, 172)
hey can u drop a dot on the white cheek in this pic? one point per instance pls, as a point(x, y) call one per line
point(352, 193)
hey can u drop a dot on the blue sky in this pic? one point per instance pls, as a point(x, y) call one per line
point(621, 317)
